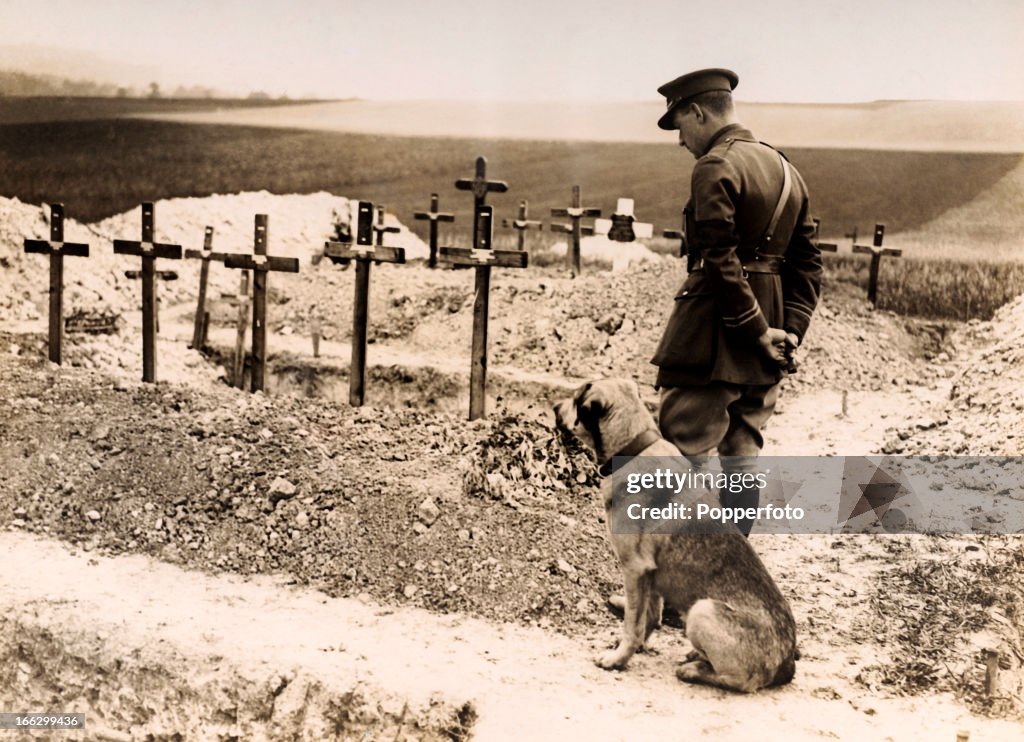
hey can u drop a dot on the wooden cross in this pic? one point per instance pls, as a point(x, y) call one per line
point(479, 185)
point(824, 246)
point(434, 216)
point(363, 252)
point(575, 212)
point(202, 317)
point(483, 257)
point(623, 226)
point(379, 229)
point(149, 251)
point(56, 248)
point(876, 251)
point(161, 275)
point(522, 224)
point(260, 264)
point(678, 234)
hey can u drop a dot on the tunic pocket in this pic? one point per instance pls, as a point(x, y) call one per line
point(691, 334)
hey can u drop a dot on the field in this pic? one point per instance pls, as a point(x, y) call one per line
point(908, 126)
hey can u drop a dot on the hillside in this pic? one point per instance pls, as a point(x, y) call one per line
point(993, 217)
point(941, 126)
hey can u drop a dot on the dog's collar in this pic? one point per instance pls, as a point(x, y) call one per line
point(633, 448)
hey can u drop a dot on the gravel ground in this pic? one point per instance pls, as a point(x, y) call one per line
point(406, 507)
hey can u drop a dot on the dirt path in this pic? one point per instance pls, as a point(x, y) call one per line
point(523, 683)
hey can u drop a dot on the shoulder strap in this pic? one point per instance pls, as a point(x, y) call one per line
point(787, 184)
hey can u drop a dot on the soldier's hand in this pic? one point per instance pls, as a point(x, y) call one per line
point(772, 345)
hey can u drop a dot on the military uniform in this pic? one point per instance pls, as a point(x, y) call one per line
point(745, 275)
point(737, 286)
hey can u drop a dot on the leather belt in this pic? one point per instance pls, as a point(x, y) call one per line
point(770, 264)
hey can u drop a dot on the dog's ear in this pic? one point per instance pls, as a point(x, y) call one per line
point(589, 410)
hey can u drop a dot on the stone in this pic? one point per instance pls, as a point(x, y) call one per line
point(428, 512)
point(93, 515)
point(281, 489)
point(565, 568)
point(610, 323)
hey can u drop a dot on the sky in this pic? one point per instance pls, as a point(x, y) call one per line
point(585, 50)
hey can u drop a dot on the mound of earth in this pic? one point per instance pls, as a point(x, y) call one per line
point(298, 225)
point(600, 248)
point(401, 505)
point(985, 415)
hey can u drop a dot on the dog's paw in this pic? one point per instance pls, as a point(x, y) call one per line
point(695, 655)
point(611, 660)
point(694, 670)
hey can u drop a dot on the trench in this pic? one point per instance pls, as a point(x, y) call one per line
point(400, 386)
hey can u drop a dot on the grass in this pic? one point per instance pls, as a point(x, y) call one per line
point(927, 610)
point(938, 288)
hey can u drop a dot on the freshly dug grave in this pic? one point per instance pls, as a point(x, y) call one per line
point(404, 506)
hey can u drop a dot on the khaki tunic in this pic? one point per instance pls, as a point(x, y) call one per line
point(721, 309)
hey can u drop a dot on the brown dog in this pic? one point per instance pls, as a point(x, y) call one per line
point(738, 621)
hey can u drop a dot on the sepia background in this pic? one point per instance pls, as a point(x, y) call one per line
point(186, 560)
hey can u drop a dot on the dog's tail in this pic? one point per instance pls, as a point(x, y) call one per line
point(786, 670)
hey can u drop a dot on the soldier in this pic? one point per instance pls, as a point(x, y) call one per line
point(754, 280)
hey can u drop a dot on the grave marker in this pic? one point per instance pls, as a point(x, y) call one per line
point(379, 230)
point(434, 216)
point(260, 264)
point(876, 251)
point(56, 248)
point(575, 212)
point(623, 226)
point(202, 316)
point(823, 246)
point(479, 184)
point(363, 252)
point(483, 257)
point(521, 224)
point(149, 251)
